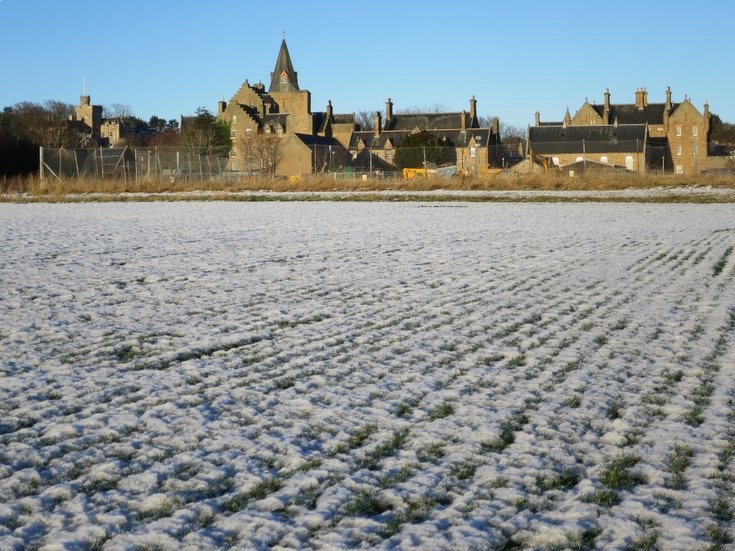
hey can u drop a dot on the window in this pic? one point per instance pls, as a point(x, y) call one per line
point(695, 150)
point(579, 160)
point(629, 162)
point(678, 130)
point(473, 152)
point(695, 131)
point(555, 161)
point(680, 169)
point(678, 151)
point(234, 120)
point(603, 159)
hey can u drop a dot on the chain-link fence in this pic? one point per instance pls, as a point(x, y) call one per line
point(142, 164)
point(133, 164)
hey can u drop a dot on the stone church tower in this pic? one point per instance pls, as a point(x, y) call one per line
point(283, 109)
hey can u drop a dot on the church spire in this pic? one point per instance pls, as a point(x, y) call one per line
point(283, 77)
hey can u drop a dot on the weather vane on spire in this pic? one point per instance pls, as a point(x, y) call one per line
point(284, 35)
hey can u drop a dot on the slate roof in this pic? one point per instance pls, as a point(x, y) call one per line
point(451, 137)
point(591, 139)
point(320, 120)
point(423, 121)
point(629, 113)
point(344, 118)
point(310, 140)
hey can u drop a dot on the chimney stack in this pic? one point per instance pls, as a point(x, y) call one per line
point(641, 98)
point(473, 111)
point(329, 110)
point(388, 110)
point(537, 119)
point(377, 123)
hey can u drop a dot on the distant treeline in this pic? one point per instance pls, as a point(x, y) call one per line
point(26, 126)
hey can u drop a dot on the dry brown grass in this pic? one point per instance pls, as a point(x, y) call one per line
point(52, 188)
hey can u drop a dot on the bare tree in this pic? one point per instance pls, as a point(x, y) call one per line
point(117, 111)
point(45, 125)
point(510, 134)
point(366, 119)
point(414, 110)
point(258, 153)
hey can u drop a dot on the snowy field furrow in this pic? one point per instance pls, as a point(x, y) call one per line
point(389, 375)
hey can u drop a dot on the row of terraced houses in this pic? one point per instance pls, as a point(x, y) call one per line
point(638, 137)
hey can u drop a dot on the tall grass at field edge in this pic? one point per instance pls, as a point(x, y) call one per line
point(32, 189)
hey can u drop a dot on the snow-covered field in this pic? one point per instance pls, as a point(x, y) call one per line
point(335, 375)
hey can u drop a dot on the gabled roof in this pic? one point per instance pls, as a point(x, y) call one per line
point(591, 139)
point(630, 113)
point(423, 121)
point(344, 118)
point(451, 137)
point(653, 113)
point(321, 119)
point(283, 77)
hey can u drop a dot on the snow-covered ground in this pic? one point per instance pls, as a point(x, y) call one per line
point(390, 375)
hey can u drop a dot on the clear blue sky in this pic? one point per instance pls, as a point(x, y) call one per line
point(167, 58)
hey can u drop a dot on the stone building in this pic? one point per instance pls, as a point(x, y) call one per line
point(640, 136)
point(311, 142)
point(257, 117)
point(472, 148)
point(95, 131)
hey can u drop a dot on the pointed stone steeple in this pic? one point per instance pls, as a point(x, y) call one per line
point(283, 77)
